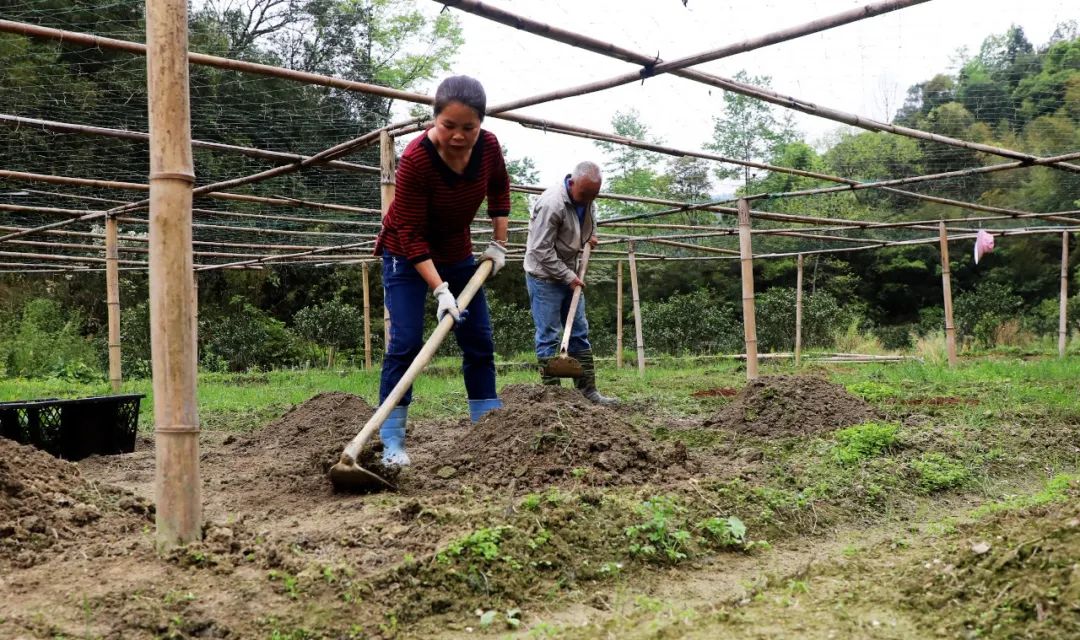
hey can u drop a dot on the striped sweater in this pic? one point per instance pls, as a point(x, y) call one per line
point(433, 206)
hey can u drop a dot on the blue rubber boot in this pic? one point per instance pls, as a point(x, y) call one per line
point(392, 434)
point(477, 408)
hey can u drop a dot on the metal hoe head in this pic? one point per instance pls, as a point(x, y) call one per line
point(563, 366)
point(346, 475)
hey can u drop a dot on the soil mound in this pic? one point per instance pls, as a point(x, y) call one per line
point(549, 435)
point(46, 506)
point(776, 406)
point(299, 447)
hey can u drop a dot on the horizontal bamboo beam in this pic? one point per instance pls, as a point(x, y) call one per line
point(125, 134)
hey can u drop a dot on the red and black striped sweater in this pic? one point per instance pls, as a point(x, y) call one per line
point(433, 206)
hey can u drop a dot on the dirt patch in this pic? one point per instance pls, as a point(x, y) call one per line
point(548, 435)
point(939, 401)
point(1014, 576)
point(48, 508)
point(717, 392)
point(776, 406)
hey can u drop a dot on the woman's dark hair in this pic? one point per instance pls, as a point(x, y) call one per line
point(468, 91)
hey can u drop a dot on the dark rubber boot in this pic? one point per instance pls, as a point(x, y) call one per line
point(586, 384)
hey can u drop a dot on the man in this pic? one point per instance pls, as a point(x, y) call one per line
point(562, 221)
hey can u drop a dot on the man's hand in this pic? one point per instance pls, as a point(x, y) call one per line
point(447, 303)
point(497, 254)
point(577, 283)
point(593, 241)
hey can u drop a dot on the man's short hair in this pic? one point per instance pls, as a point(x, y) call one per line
point(587, 170)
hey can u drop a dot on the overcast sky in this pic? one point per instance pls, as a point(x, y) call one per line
point(864, 68)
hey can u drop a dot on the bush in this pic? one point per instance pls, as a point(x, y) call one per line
point(978, 313)
point(896, 336)
point(513, 328)
point(245, 337)
point(332, 324)
point(696, 322)
point(822, 315)
point(135, 354)
point(46, 342)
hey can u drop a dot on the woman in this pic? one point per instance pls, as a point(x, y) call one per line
point(442, 178)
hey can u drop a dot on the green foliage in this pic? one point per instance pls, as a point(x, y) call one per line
point(747, 129)
point(979, 312)
point(724, 532)
point(865, 440)
point(45, 341)
point(245, 338)
point(936, 472)
point(696, 322)
point(660, 538)
point(873, 391)
point(822, 316)
point(482, 544)
point(332, 324)
point(512, 327)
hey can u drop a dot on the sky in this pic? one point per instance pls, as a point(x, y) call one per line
point(863, 68)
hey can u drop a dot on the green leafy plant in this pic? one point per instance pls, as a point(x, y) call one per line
point(482, 544)
point(937, 472)
point(864, 441)
point(661, 536)
point(724, 532)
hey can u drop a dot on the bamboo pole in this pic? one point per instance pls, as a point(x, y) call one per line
point(798, 310)
point(1063, 327)
point(125, 134)
point(747, 263)
point(172, 303)
point(637, 310)
point(112, 300)
point(946, 287)
point(367, 316)
point(388, 182)
point(618, 317)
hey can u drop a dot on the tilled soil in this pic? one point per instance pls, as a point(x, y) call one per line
point(48, 509)
point(551, 435)
point(779, 406)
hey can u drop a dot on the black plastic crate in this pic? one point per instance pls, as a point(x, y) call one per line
point(74, 429)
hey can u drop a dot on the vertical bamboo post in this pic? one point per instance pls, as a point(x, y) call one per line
point(637, 311)
point(1063, 328)
point(112, 299)
point(746, 252)
point(387, 166)
point(367, 317)
point(946, 287)
point(618, 317)
point(798, 311)
point(172, 291)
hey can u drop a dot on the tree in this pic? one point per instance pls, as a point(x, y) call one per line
point(630, 171)
point(522, 171)
point(748, 129)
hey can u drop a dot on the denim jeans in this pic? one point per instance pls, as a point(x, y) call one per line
point(550, 302)
point(405, 294)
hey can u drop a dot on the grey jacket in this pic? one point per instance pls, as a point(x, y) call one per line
point(556, 238)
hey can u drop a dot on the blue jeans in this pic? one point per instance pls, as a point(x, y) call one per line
point(550, 302)
point(405, 294)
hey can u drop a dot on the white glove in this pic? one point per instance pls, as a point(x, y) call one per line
point(497, 254)
point(447, 303)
